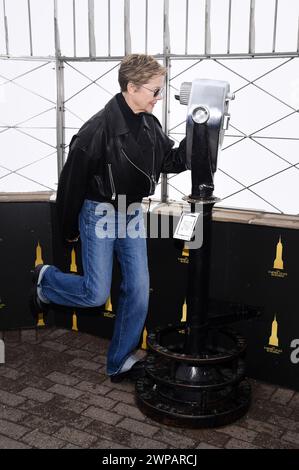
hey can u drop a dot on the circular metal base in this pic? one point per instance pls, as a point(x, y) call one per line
point(229, 408)
point(222, 345)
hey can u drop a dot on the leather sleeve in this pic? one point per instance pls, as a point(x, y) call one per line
point(174, 159)
point(71, 189)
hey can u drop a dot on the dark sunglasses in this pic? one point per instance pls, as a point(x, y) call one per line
point(156, 92)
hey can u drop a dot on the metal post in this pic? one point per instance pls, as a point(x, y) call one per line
point(208, 27)
point(109, 28)
point(146, 26)
point(252, 27)
point(186, 27)
point(229, 25)
point(5, 28)
point(91, 36)
point(198, 287)
point(56, 31)
point(166, 53)
point(127, 27)
point(275, 26)
point(74, 28)
point(164, 181)
point(60, 130)
point(60, 115)
point(30, 26)
point(166, 34)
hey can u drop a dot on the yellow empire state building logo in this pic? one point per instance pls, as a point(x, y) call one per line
point(273, 340)
point(38, 257)
point(184, 258)
point(73, 266)
point(273, 343)
point(39, 260)
point(74, 269)
point(278, 262)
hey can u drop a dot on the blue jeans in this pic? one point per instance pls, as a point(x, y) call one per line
point(102, 232)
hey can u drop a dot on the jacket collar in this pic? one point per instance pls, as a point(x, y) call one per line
point(116, 121)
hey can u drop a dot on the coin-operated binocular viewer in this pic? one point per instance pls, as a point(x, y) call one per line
point(195, 373)
point(207, 120)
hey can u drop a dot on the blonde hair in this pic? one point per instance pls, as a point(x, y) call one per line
point(138, 69)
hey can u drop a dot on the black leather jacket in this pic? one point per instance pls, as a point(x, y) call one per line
point(105, 160)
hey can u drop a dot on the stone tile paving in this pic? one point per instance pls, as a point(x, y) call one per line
point(54, 394)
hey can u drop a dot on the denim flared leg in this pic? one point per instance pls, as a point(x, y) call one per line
point(102, 232)
point(93, 288)
point(133, 299)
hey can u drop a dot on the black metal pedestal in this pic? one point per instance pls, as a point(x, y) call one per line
point(195, 374)
point(202, 390)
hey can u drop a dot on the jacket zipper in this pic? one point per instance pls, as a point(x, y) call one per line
point(139, 169)
point(111, 182)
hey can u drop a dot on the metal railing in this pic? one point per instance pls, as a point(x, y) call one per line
point(205, 8)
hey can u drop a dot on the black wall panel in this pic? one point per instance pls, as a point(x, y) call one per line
point(243, 269)
point(254, 280)
point(25, 235)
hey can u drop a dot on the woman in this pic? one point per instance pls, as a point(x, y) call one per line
point(114, 161)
